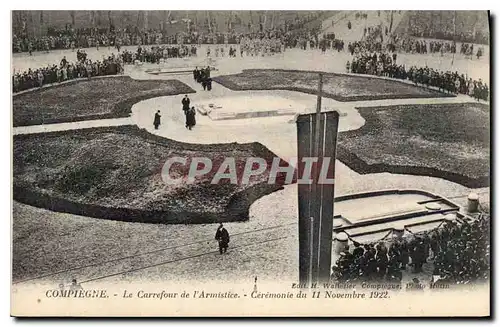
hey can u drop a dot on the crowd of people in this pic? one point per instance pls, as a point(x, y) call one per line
point(359, 47)
point(260, 46)
point(154, 54)
point(67, 38)
point(384, 64)
point(420, 46)
point(71, 38)
point(330, 42)
point(202, 76)
point(459, 252)
point(82, 68)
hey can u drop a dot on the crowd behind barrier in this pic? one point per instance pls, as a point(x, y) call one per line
point(385, 64)
point(65, 71)
point(459, 251)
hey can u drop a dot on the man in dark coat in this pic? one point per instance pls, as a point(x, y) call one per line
point(156, 121)
point(222, 236)
point(200, 75)
point(358, 250)
point(190, 118)
point(185, 103)
point(195, 73)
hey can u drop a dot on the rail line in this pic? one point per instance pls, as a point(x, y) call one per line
point(200, 242)
point(180, 259)
point(145, 253)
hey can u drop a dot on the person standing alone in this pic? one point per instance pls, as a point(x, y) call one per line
point(222, 236)
point(185, 103)
point(157, 120)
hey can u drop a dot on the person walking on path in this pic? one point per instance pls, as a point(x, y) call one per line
point(185, 103)
point(190, 118)
point(157, 120)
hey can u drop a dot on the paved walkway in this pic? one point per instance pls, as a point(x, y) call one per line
point(71, 126)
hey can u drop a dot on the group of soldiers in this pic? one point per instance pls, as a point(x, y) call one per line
point(468, 50)
point(260, 46)
point(459, 252)
point(384, 64)
point(155, 54)
point(412, 45)
point(81, 55)
point(83, 68)
point(449, 82)
point(372, 63)
point(382, 261)
point(334, 44)
point(363, 47)
point(64, 39)
point(202, 76)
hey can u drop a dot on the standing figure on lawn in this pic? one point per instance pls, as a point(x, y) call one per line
point(157, 120)
point(222, 236)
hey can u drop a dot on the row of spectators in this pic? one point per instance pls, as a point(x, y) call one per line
point(478, 37)
point(411, 45)
point(459, 251)
point(86, 38)
point(65, 71)
point(384, 64)
point(155, 53)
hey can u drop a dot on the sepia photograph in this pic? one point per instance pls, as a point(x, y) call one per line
point(258, 163)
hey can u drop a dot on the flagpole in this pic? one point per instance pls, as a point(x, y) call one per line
point(315, 187)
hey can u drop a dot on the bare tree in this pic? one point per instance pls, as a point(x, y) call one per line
point(72, 14)
point(110, 19)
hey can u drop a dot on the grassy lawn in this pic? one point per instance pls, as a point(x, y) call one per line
point(335, 86)
point(451, 141)
point(97, 98)
point(115, 173)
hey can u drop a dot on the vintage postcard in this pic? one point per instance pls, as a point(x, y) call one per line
point(251, 163)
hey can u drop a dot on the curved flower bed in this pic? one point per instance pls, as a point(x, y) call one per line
point(450, 141)
point(340, 87)
point(96, 98)
point(115, 173)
